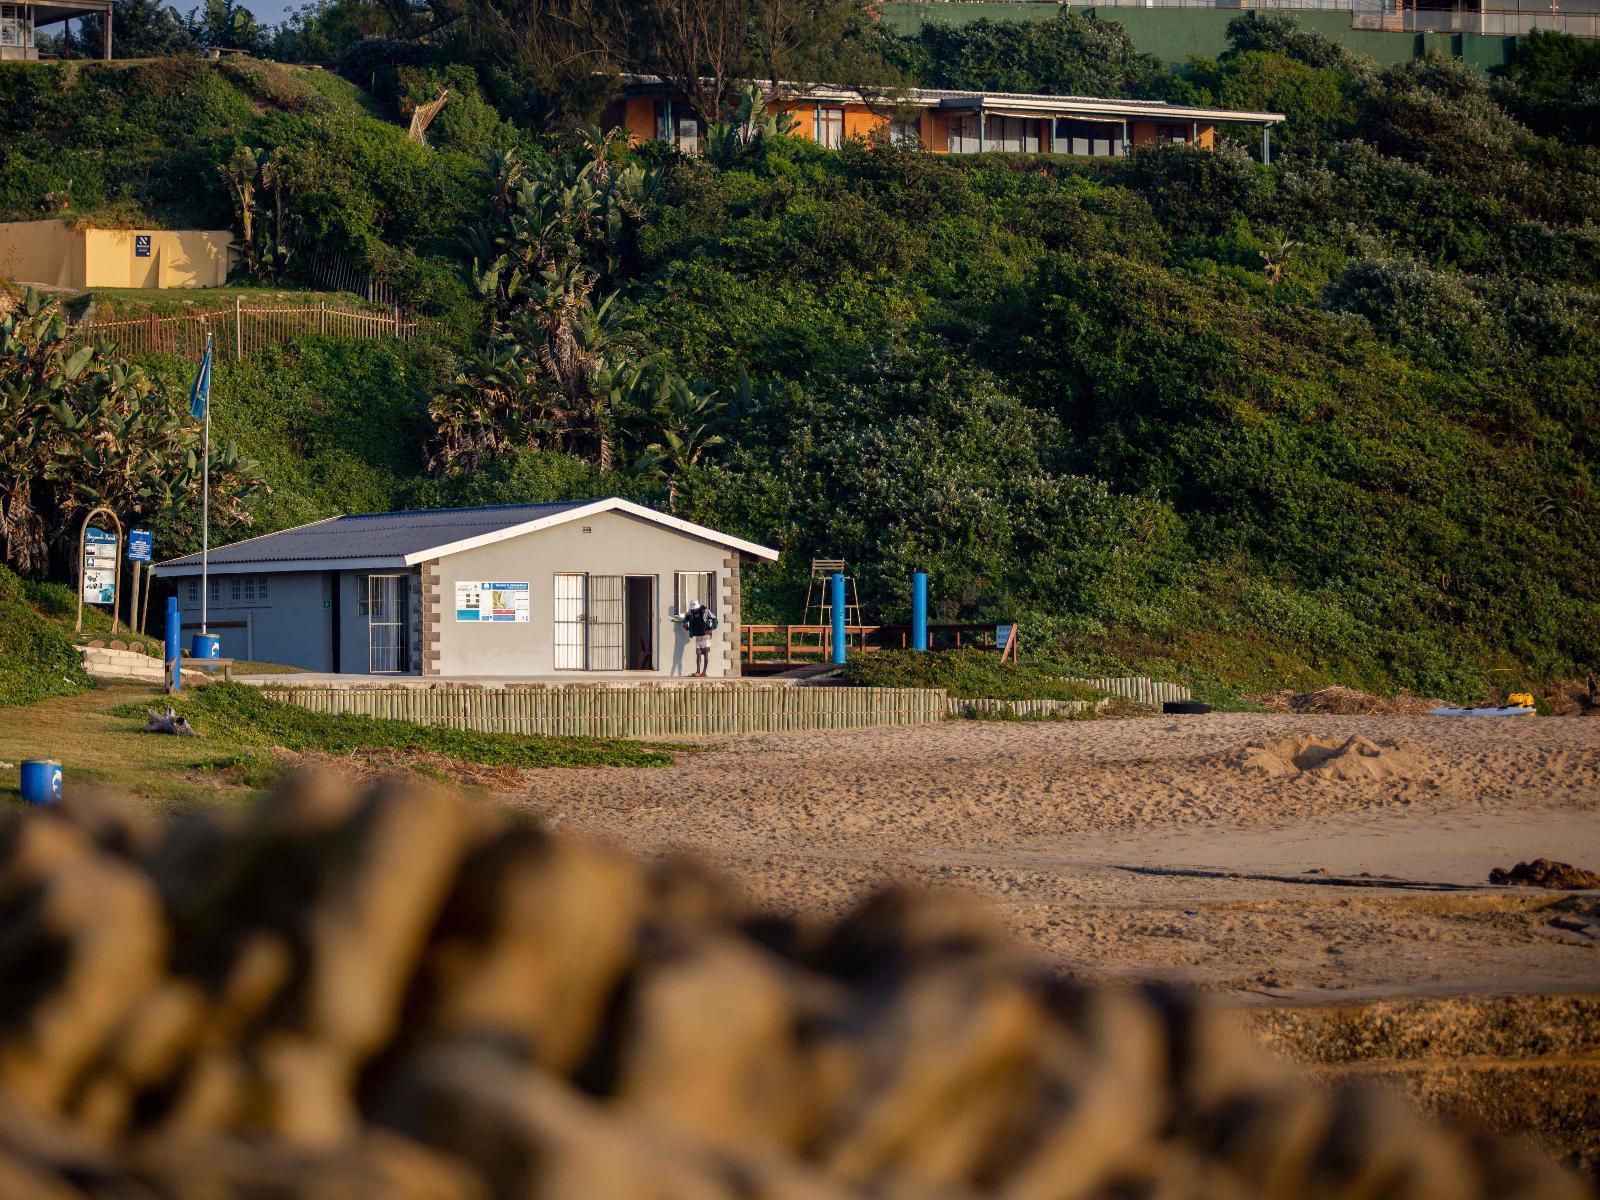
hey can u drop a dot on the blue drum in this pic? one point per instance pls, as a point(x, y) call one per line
point(41, 781)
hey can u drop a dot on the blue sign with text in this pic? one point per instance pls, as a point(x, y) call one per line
point(140, 545)
point(141, 245)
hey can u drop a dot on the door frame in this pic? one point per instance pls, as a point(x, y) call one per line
point(584, 621)
point(401, 625)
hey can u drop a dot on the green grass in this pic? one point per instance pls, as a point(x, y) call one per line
point(110, 303)
point(968, 675)
point(238, 715)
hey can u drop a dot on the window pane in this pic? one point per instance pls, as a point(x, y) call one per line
point(690, 586)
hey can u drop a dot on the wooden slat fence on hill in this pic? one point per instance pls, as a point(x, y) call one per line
point(631, 711)
point(242, 330)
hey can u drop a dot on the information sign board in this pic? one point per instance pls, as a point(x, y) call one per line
point(491, 601)
point(99, 566)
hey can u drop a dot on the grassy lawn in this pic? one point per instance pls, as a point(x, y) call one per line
point(968, 675)
point(246, 739)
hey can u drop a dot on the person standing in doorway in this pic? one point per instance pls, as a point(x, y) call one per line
point(698, 623)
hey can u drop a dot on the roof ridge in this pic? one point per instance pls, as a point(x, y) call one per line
point(466, 508)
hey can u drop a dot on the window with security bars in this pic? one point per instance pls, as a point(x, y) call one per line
point(689, 586)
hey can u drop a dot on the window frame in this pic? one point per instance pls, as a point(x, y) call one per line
point(706, 593)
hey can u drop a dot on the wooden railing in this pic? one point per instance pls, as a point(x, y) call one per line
point(814, 643)
point(242, 330)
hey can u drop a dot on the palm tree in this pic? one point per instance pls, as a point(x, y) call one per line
point(686, 418)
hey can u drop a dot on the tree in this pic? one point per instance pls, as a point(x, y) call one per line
point(685, 418)
point(228, 25)
point(558, 362)
point(710, 50)
point(82, 428)
point(140, 29)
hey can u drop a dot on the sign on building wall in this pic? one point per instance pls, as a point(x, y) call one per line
point(99, 566)
point(492, 602)
point(141, 245)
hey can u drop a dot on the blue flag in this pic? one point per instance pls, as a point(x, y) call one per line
point(200, 393)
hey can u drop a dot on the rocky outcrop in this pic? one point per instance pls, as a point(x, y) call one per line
point(393, 993)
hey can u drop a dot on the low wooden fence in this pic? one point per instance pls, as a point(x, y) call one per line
point(956, 707)
point(630, 711)
point(242, 330)
point(1141, 690)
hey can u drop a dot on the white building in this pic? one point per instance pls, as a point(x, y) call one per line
point(522, 590)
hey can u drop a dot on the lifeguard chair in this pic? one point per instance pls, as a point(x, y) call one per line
point(819, 597)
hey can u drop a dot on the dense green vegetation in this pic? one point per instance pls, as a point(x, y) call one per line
point(37, 658)
point(1332, 420)
point(238, 715)
point(969, 674)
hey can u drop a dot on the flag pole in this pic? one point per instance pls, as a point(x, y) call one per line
point(205, 502)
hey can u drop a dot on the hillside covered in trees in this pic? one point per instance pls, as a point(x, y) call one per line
point(1337, 419)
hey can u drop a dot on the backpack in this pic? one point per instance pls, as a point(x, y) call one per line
point(711, 620)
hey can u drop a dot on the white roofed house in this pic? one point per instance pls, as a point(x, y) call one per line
point(523, 590)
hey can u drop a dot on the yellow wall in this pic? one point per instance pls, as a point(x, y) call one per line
point(805, 117)
point(54, 253)
point(861, 122)
point(45, 252)
point(185, 258)
point(639, 117)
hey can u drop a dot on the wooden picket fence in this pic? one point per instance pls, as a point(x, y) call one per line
point(242, 330)
point(1140, 689)
point(597, 710)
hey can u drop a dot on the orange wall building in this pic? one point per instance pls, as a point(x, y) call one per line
point(949, 122)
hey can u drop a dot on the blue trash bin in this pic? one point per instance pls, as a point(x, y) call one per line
point(205, 645)
point(41, 781)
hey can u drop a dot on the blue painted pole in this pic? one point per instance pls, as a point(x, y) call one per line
point(838, 617)
point(919, 611)
point(172, 653)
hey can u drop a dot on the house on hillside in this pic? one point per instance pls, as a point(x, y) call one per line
point(522, 590)
point(945, 121)
point(20, 20)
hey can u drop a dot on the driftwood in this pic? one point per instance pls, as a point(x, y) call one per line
point(169, 722)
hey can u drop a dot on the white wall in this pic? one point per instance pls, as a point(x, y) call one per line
point(607, 544)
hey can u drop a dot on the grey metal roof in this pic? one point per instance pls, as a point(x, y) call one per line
point(374, 535)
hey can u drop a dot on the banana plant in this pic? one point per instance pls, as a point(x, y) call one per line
point(81, 427)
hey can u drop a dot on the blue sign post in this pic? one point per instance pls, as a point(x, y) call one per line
point(141, 547)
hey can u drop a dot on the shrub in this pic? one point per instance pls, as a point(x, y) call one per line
point(37, 658)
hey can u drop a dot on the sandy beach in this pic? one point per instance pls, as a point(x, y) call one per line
point(1285, 857)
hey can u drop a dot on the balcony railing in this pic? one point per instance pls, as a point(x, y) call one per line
point(800, 644)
